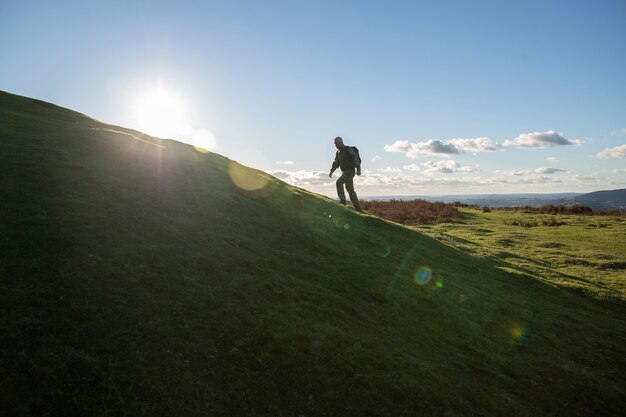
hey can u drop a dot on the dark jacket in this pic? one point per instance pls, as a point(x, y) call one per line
point(346, 159)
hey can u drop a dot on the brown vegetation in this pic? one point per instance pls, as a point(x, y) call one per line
point(412, 212)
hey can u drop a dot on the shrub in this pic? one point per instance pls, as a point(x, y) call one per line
point(412, 212)
point(552, 209)
point(551, 221)
point(526, 223)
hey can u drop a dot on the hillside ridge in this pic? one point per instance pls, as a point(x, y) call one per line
point(599, 200)
point(605, 200)
point(140, 276)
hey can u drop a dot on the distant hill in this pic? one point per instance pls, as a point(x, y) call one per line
point(142, 277)
point(503, 200)
point(598, 200)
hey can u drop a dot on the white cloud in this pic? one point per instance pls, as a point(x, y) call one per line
point(539, 140)
point(483, 144)
point(431, 147)
point(617, 152)
point(403, 182)
point(389, 170)
point(531, 179)
point(548, 170)
point(619, 171)
point(410, 183)
point(301, 178)
point(543, 171)
point(445, 167)
point(412, 167)
point(284, 162)
point(466, 168)
point(376, 181)
point(376, 158)
point(442, 148)
point(457, 146)
point(553, 159)
point(583, 178)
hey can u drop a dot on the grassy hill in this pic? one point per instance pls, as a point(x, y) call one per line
point(142, 277)
point(599, 200)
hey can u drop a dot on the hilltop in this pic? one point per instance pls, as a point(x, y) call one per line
point(598, 200)
point(141, 276)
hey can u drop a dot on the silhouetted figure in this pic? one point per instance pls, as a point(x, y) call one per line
point(347, 158)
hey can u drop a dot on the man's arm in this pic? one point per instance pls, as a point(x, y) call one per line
point(335, 165)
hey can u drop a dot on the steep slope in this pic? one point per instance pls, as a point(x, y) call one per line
point(139, 276)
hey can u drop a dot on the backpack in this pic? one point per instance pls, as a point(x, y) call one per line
point(356, 156)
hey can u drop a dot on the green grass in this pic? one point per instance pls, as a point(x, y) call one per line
point(137, 278)
point(578, 252)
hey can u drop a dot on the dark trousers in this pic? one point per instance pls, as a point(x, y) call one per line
point(346, 180)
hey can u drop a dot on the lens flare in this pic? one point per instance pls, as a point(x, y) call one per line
point(384, 251)
point(245, 178)
point(404, 269)
point(518, 333)
point(439, 283)
point(346, 226)
point(423, 275)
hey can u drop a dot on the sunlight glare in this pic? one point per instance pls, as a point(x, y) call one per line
point(202, 139)
point(161, 113)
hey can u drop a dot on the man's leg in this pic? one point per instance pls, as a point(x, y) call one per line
point(352, 193)
point(340, 193)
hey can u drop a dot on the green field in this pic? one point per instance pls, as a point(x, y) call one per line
point(143, 277)
point(579, 252)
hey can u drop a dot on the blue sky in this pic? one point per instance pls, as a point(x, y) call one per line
point(441, 97)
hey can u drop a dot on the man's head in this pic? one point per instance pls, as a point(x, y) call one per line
point(339, 142)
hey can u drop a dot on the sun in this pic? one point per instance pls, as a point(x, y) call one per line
point(161, 113)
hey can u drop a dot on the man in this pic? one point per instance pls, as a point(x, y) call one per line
point(349, 161)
